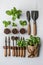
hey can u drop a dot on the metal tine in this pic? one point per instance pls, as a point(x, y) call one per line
point(9, 46)
point(6, 41)
point(21, 38)
point(9, 40)
point(5, 50)
point(34, 16)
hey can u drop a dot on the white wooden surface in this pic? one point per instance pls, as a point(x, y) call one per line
point(24, 5)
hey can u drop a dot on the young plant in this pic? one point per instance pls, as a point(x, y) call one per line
point(14, 13)
point(6, 23)
point(33, 41)
point(21, 43)
point(23, 23)
point(14, 24)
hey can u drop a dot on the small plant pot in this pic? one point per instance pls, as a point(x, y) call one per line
point(22, 31)
point(33, 51)
point(7, 31)
point(15, 31)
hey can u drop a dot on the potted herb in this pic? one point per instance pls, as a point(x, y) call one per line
point(23, 23)
point(14, 28)
point(22, 47)
point(14, 13)
point(33, 46)
point(6, 24)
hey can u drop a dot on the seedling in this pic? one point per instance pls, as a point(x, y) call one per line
point(23, 23)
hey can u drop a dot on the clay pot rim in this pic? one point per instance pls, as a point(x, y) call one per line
point(16, 30)
point(23, 30)
point(7, 29)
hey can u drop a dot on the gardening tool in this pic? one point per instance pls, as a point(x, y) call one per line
point(5, 50)
point(13, 50)
point(34, 17)
point(9, 46)
point(28, 18)
point(24, 50)
point(21, 50)
point(17, 49)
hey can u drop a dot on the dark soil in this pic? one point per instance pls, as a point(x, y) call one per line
point(14, 31)
point(7, 31)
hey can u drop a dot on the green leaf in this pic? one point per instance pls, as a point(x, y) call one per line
point(33, 40)
point(19, 13)
point(8, 12)
point(6, 23)
point(14, 8)
point(15, 13)
point(14, 17)
point(14, 24)
point(9, 22)
point(21, 43)
point(23, 23)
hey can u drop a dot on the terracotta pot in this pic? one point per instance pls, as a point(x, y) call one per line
point(33, 51)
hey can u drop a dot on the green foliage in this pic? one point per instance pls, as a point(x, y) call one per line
point(14, 24)
point(8, 12)
point(15, 13)
point(21, 43)
point(6, 23)
point(23, 23)
point(33, 40)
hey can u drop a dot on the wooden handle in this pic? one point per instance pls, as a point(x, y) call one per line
point(29, 29)
point(18, 51)
point(34, 28)
point(8, 52)
point(5, 52)
point(24, 52)
point(21, 52)
point(13, 52)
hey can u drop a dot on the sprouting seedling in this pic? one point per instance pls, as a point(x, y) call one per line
point(6, 23)
point(14, 13)
point(23, 23)
point(14, 24)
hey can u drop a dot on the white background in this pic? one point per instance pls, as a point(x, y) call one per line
point(24, 5)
